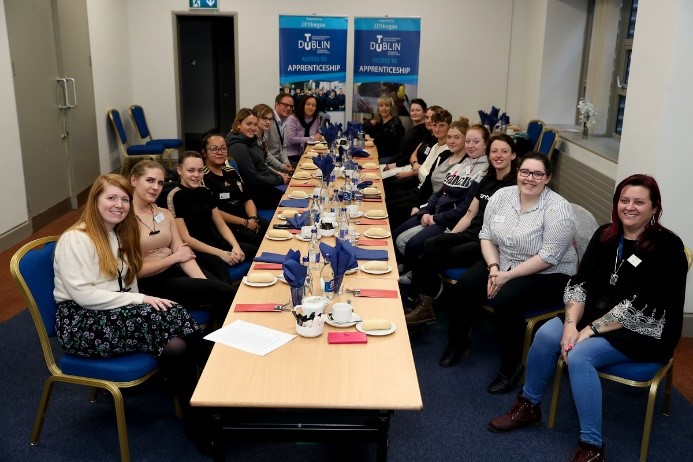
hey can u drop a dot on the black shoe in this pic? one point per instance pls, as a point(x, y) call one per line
point(503, 383)
point(451, 356)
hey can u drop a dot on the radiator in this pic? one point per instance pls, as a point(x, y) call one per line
point(584, 186)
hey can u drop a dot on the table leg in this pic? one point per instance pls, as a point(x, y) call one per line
point(383, 429)
point(218, 446)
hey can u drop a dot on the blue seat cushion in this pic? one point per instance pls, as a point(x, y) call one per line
point(237, 271)
point(118, 369)
point(454, 273)
point(201, 317)
point(640, 372)
point(143, 149)
point(266, 214)
point(168, 143)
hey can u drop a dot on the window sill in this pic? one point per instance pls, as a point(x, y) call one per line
point(605, 147)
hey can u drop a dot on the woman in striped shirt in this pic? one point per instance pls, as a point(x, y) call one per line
point(526, 240)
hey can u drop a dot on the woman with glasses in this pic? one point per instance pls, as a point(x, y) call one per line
point(265, 120)
point(302, 127)
point(245, 150)
point(624, 304)
point(527, 244)
point(231, 196)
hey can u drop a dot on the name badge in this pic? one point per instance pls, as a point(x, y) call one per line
point(499, 219)
point(224, 195)
point(427, 150)
point(633, 260)
point(159, 217)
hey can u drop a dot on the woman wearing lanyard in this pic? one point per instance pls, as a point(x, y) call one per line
point(624, 304)
point(265, 120)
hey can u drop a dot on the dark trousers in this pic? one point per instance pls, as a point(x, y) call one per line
point(218, 267)
point(450, 250)
point(249, 236)
point(209, 294)
point(513, 299)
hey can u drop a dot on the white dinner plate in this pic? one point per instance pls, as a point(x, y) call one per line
point(354, 319)
point(280, 278)
point(373, 236)
point(258, 284)
point(308, 166)
point(302, 176)
point(374, 217)
point(279, 238)
point(312, 142)
point(352, 270)
point(370, 271)
point(292, 196)
point(378, 333)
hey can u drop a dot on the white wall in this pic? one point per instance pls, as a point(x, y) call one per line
point(656, 123)
point(463, 60)
point(13, 211)
point(111, 66)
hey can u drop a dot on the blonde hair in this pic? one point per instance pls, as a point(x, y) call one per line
point(461, 124)
point(142, 166)
point(261, 110)
point(127, 231)
point(391, 104)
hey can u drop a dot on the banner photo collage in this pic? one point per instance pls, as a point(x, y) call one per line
point(312, 60)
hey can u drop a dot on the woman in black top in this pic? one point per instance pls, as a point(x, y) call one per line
point(386, 130)
point(624, 304)
point(200, 224)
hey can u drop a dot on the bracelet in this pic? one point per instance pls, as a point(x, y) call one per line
point(492, 265)
point(594, 329)
point(254, 217)
point(245, 225)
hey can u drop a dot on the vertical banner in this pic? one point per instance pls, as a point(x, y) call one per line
point(386, 62)
point(312, 60)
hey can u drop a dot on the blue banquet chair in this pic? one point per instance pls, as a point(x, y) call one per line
point(145, 136)
point(632, 374)
point(32, 269)
point(534, 129)
point(129, 152)
point(547, 142)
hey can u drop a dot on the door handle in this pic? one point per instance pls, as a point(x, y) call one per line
point(63, 84)
point(74, 92)
point(620, 85)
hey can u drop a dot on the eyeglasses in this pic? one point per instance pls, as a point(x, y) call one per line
point(217, 149)
point(536, 175)
point(286, 105)
point(268, 118)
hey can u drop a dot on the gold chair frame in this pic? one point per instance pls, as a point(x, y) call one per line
point(56, 374)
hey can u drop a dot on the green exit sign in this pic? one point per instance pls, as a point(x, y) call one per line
point(204, 4)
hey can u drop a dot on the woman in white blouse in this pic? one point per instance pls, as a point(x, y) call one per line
point(526, 240)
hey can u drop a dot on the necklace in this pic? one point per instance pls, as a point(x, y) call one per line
point(152, 231)
point(618, 261)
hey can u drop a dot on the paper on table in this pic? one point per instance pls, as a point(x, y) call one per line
point(250, 337)
point(394, 171)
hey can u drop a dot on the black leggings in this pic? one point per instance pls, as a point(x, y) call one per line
point(209, 294)
point(218, 267)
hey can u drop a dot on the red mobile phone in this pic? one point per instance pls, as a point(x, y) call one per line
point(347, 337)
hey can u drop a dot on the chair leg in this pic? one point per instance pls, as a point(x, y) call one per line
point(41, 412)
point(667, 390)
point(556, 391)
point(120, 420)
point(94, 394)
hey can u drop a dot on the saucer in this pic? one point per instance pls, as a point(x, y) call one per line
point(279, 238)
point(370, 271)
point(354, 319)
point(258, 284)
point(377, 333)
point(373, 236)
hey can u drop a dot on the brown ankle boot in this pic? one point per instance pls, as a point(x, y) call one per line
point(587, 452)
point(422, 312)
point(522, 414)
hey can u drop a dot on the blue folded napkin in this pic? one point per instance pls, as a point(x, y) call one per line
point(364, 184)
point(325, 164)
point(342, 257)
point(358, 152)
point(281, 187)
point(300, 203)
point(269, 257)
point(294, 271)
point(298, 220)
point(371, 254)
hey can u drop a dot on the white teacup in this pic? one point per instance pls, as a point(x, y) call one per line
point(341, 312)
point(353, 210)
point(306, 231)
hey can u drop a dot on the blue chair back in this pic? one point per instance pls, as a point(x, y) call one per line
point(534, 129)
point(114, 114)
point(140, 121)
point(547, 142)
point(36, 267)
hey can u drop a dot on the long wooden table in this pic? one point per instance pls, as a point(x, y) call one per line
point(309, 389)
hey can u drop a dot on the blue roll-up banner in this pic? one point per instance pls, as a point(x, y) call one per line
point(312, 60)
point(386, 61)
